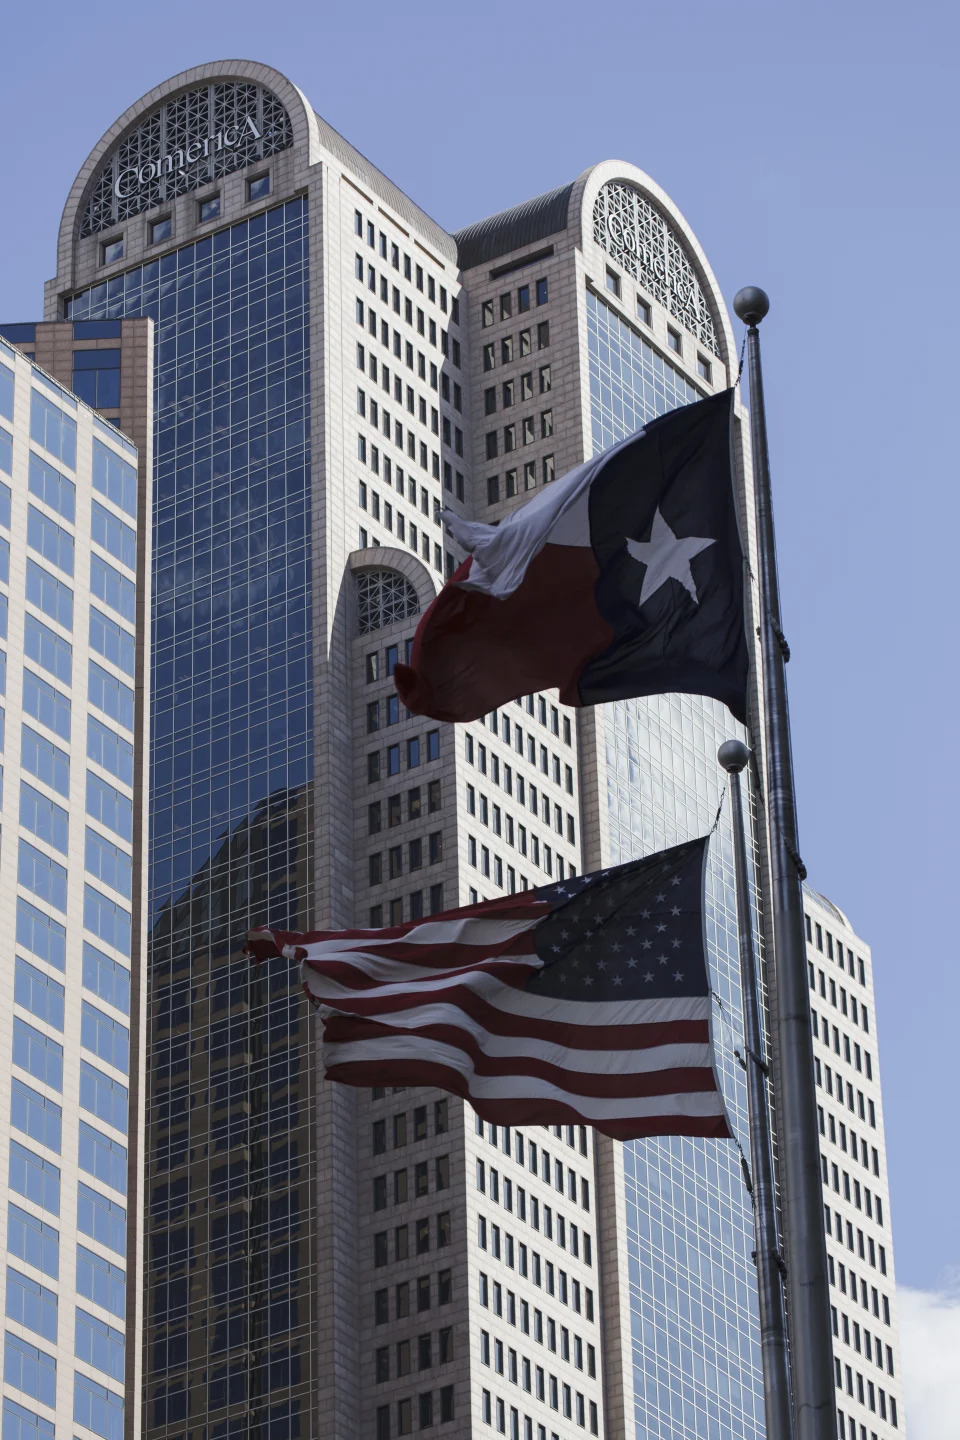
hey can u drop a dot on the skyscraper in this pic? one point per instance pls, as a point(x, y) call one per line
point(73, 531)
point(332, 368)
point(856, 1192)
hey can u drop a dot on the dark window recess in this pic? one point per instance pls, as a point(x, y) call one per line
point(96, 378)
point(26, 334)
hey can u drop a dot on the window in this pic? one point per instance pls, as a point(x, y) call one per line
point(209, 209)
point(37, 1179)
point(103, 1097)
point(115, 590)
point(31, 1304)
point(258, 187)
point(541, 292)
point(102, 1157)
point(38, 993)
point(35, 1115)
point(613, 282)
point(383, 598)
point(49, 540)
point(101, 1281)
point(102, 1219)
point(52, 429)
point(98, 1408)
point(96, 377)
point(111, 251)
point(674, 340)
point(99, 1344)
point(704, 368)
point(30, 1370)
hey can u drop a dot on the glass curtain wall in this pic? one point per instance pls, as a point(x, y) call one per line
point(689, 1239)
point(229, 1183)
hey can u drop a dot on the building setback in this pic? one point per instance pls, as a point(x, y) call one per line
point(332, 369)
point(74, 566)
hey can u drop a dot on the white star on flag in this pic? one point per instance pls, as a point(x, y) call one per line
point(667, 557)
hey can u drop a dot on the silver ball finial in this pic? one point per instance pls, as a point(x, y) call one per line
point(734, 756)
point(751, 304)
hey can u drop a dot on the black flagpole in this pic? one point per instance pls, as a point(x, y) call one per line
point(733, 756)
point(808, 1294)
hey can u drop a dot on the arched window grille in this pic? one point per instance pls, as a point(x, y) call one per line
point(384, 597)
point(638, 237)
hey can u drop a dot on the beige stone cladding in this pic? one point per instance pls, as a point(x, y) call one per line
point(856, 1191)
point(75, 555)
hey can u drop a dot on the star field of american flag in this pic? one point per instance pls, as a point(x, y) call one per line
point(635, 932)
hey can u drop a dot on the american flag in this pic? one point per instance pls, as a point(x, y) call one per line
point(585, 1001)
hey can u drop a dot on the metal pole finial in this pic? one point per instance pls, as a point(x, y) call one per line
point(734, 756)
point(751, 304)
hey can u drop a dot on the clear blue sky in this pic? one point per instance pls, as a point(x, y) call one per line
point(814, 149)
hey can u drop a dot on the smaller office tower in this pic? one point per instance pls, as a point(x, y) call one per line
point(74, 519)
point(856, 1199)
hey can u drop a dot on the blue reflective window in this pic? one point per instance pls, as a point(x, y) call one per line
point(43, 876)
point(30, 1369)
point(49, 540)
point(37, 1179)
point(109, 806)
point(103, 1097)
point(111, 641)
point(3, 672)
point(31, 1304)
point(33, 1240)
point(6, 392)
point(114, 589)
point(109, 864)
point(96, 378)
point(5, 559)
point(6, 451)
point(54, 489)
point(102, 1157)
point(46, 704)
point(5, 500)
point(110, 695)
point(97, 1407)
point(43, 817)
point(105, 919)
point(49, 594)
point(105, 1037)
point(39, 993)
point(49, 650)
point(102, 1282)
point(102, 1219)
point(99, 1344)
point(3, 616)
point(21, 1424)
point(97, 329)
point(36, 1115)
point(114, 478)
point(40, 934)
point(110, 532)
point(45, 760)
point(113, 753)
point(38, 1054)
point(106, 978)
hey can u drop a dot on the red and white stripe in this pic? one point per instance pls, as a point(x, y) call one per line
point(442, 1002)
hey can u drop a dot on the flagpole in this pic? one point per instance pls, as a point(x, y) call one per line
point(733, 756)
point(808, 1294)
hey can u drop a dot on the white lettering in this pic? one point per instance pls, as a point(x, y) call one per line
point(177, 161)
point(120, 193)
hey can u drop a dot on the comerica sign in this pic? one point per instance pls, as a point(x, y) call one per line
point(193, 138)
point(179, 161)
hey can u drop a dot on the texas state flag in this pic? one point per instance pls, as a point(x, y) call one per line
point(624, 577)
